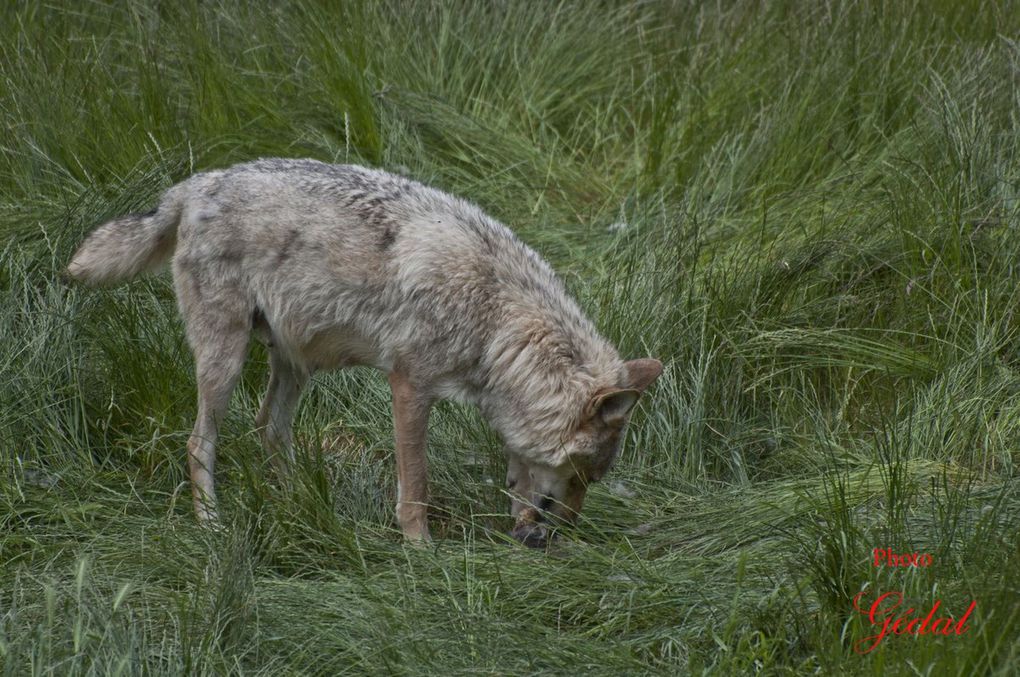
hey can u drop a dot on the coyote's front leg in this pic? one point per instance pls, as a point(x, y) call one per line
point(410, 426)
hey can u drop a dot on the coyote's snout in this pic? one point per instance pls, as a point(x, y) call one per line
point(338, 265)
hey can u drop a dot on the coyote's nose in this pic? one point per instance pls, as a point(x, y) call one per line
point(531, 534)
point(531, 529)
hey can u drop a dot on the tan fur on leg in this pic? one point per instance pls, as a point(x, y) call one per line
point(410, 425)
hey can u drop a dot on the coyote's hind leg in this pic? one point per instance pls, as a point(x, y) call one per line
point(276, 415)
point(217, 368)
point(218, 324)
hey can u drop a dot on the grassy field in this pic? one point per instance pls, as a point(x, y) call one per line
point(807, 210)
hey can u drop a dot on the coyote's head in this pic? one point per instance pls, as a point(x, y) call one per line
point(545, 495)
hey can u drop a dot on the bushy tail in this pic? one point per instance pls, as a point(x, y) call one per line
point(126, 247)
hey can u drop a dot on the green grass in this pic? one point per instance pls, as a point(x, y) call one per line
point(808, 211)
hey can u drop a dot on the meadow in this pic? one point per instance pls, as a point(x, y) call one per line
point(807, 210)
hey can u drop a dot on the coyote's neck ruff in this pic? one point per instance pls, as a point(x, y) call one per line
point(338, 265)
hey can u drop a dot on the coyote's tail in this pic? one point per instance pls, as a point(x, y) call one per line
point(130, 245)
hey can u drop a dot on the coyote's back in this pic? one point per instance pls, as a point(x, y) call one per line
point(320, 253)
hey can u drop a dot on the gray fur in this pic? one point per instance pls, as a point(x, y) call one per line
point(339, 265)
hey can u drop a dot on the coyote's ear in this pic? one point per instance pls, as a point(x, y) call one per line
point(612, 406)
point(642, 373)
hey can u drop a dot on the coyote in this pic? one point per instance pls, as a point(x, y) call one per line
point(338, 265)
